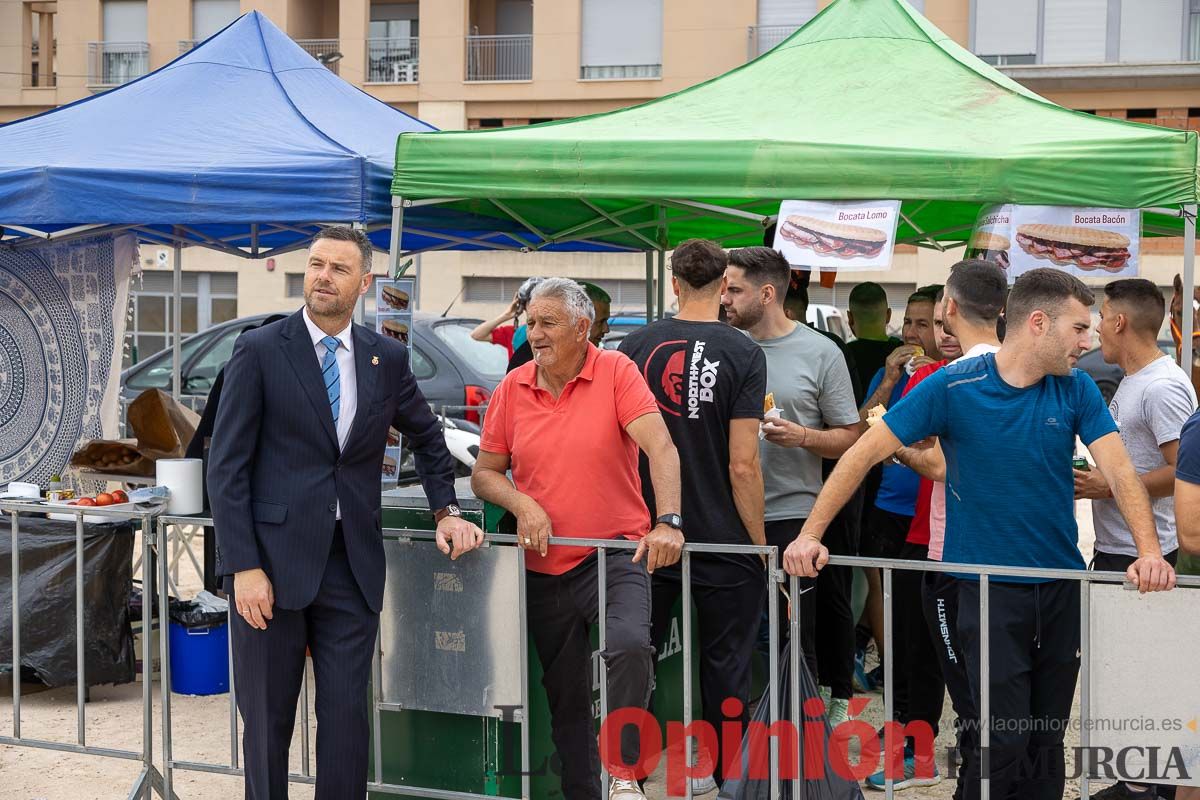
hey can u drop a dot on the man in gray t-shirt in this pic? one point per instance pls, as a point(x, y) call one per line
point(1153, 401)
point(810, 385)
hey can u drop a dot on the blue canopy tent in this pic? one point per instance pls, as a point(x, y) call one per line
point(245, 144)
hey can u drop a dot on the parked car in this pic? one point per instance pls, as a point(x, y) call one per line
point(1108, 376)
point(455, 372)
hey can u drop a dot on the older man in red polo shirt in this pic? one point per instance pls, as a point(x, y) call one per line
point(569, 424)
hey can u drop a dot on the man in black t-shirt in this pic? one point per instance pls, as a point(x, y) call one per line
point(710, 381)
point(868, 316)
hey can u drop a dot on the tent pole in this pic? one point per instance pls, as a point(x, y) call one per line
point(1189, 282)
point(177, 324)
point(397, 236)
point(662, 283)
point(649, 286)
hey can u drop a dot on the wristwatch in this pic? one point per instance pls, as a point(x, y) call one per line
point(671, 520)
point(449, 511)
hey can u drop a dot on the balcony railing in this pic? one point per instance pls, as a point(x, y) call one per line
point(392, 60)
point(764, 37)
point(114, 63)
point(187, 44)
point(500, 58)
point(620, 73)
point(323, 50)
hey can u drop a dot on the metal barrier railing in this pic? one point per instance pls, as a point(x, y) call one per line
point(149, 778)
point(154, 539)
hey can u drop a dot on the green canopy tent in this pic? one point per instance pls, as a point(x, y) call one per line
point(867, 101)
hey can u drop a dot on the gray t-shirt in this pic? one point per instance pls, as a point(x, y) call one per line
point(808, 376)
point(1150, 407)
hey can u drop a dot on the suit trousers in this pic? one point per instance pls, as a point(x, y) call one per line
point(339, 629)
point(560, 611)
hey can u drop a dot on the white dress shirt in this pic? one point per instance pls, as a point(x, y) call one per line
point(348, 404)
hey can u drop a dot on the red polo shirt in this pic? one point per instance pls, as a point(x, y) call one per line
point(572, 455)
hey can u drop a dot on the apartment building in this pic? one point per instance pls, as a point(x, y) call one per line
point(492, 63)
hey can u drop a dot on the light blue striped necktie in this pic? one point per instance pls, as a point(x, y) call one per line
point(332, 375)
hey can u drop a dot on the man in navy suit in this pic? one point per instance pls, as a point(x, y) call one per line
point(293, 477)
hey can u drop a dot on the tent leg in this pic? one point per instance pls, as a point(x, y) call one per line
point(649, 287)
point(662, 283)
point(397, 238)
point(1189, 282)
point(177, 325)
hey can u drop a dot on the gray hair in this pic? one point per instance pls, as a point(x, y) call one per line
point(572, 295)
point(344, 233)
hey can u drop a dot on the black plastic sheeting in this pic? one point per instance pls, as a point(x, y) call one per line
point(829, 786)
point(47, 584)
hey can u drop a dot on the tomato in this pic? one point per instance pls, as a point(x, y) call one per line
point(104, 499)
point(85, 501)
point(120, 497)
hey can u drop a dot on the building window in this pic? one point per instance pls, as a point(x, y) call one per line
point(1141, 113)
point(628, 294)
point(393, 41)
point(1193, 53)
point(1150, 31)
point(210, 16)
point(621, 39)
point(294, 286)
point(1006, 31)
point(206, 299)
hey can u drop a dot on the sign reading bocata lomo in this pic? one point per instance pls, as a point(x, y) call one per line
point(855, 235)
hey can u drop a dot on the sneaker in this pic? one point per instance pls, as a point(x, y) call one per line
point(825, 694)
point(839, 711)
point(879, 779)
point(1122, 791)
point(622, 789)
point(703, 785)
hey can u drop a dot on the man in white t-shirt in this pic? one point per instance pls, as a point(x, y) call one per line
point(974, 297)
point(1150, 407)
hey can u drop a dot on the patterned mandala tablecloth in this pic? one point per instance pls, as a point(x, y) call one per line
point(62, 324)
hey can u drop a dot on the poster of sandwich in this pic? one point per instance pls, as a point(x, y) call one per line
point(846, 236)
point(991, 239)
point(1086, 242)
point(393, 308)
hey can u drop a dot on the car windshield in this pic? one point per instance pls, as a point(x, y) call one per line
point(487, 359)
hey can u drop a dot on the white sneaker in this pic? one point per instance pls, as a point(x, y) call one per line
point(621, 789)
point(839, 711)
point(703, 785)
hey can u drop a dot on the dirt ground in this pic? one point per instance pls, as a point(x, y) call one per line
point(201, 733)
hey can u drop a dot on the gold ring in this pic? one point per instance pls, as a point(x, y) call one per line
point(528, 540)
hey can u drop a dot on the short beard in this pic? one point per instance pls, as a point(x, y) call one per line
point(746, 321)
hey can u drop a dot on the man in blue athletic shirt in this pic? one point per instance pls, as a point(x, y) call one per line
point(1007, 425)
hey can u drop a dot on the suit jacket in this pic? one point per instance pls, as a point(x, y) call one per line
point(275, 474)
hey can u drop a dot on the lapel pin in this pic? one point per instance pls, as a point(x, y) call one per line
point(375, 361)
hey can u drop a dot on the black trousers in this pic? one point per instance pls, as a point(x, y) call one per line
point(1119, 562)
point(835, 591)
point(940, 595)
point(727, 623)
point(781, 533)
point(1034, 666)
point(917, 658)
point(883, 536)
point(339, 629)
point(561, 609)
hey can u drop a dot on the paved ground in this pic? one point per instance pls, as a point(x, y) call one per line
point(201, 733)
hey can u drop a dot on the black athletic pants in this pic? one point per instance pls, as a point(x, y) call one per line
point(1034, 665)
point(727, 625)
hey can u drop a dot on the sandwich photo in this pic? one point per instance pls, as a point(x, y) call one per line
point(395, 297)
point(1066, 245)
point(990, 247)
point(833, 238)
point(396, 329)
point(389, 466)
point(393, 437)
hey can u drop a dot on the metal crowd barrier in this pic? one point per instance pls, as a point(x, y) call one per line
point(155, 537)
point(149, 779)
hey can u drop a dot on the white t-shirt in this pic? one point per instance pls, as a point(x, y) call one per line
point(1150, 407)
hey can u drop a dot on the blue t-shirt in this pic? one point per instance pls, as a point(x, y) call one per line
point(898, 486)
point(1187, 463)
point(1009, 487)
point(520, 336)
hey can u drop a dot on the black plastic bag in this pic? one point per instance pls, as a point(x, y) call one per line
point(189, 614)
point(48, 600)
point(755, 783)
